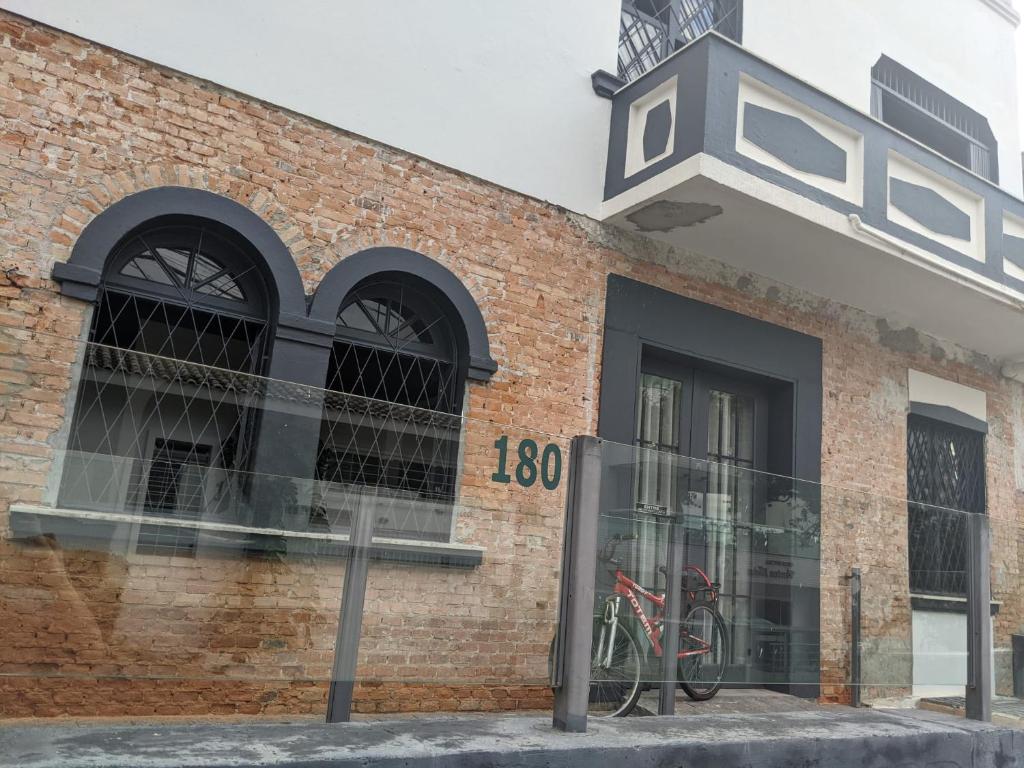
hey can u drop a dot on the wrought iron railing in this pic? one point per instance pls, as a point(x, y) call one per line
point(651, 30)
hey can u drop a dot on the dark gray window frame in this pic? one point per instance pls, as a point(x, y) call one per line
point(895, 83)
point(933, 592)
point(639, 316)
point(302, 331)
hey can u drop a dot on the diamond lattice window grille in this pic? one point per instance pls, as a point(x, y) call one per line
point(946, 472)
point(178, 318)
point(391, 422)
point(652, 30)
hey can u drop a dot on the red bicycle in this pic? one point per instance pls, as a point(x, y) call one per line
point(617, 665)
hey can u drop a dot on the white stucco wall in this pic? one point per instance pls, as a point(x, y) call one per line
point(500, 90)
point(964, 47)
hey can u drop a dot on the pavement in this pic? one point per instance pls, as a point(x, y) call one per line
point(836, 737)
point(749, 701)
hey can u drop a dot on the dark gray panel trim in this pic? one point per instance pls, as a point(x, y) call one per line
point(657, 127)
point(637, 314)
point(929, 209)
point(305, 330)
point(1013, 250)
point(344, 276)
point(709, 73)
point(690, 66)
point(949, 415)
point(82, 274)
point(794, 142)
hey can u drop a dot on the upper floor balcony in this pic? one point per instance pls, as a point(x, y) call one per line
point(715, 150)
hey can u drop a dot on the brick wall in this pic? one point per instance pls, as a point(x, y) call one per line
point(122, 633)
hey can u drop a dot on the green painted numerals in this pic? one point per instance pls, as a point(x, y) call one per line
point(527, 469)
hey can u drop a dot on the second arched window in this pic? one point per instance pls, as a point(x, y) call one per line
point(392, 424)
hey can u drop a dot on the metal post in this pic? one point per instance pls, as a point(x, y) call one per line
point(979, 626)
point(350, 618)
point(673, 609)
point(855, 692)
point(570, 672)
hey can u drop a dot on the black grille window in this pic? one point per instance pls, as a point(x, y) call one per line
point(391, 419)
point(945, 470)
point(182, 306)
point(913, 106)
point(651, 30)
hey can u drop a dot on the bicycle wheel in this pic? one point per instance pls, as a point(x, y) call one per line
point(614, 679)
point(702, 636)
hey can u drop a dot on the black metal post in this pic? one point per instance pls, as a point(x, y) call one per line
point(673, 609)
point(350, 618)
point(1017, 649)
point(979, 625)
point(570, 673)
point(855, 695)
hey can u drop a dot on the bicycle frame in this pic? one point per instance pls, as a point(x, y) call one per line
point(627, 588)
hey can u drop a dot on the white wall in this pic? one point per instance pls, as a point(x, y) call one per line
point(964, 47)
point(500, 90)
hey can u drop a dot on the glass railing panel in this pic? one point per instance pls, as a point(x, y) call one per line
point(176, 539)
point(743, 547)
point(1007, 537)
point(777, 560)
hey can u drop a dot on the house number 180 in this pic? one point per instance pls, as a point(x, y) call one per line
point(527, 469)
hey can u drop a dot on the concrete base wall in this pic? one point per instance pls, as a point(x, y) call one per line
point(833, 737)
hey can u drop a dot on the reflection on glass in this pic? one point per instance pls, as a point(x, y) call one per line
point(729, 505)
point(657, 435)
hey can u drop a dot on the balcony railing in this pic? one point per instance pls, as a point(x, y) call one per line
point(651, 30)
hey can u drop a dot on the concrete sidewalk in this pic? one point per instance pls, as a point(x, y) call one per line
point(834, 737)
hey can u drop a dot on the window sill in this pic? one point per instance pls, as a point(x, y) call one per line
point(87, 529)
point(944, 603)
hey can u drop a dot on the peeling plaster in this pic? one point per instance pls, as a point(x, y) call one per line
point(886, 332)
point(906, 340)
point(666, 215)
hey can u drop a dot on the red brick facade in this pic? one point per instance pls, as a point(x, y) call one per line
point(89, 633)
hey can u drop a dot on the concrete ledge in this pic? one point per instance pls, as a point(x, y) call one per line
point(834, 737)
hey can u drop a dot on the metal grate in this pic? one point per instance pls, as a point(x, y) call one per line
point(167, 316)
point(945, 470)
point(651, 30)
point(911, 104)
point(395, 346)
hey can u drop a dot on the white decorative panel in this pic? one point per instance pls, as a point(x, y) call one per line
point(1013, 226)
point(942, 207)
point(762, 98)
point(639, 114)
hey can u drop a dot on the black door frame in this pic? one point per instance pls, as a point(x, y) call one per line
point(639, 316)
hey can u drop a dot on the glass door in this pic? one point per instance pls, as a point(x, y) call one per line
point(730, 422)
point(720, 418)
point(660, 426)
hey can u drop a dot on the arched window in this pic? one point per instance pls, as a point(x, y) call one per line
point(397, 375)
point(185, 289)
point(160, 426)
